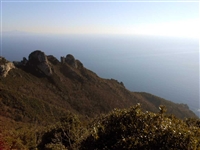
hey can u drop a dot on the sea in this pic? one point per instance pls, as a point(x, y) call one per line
point(167, 67)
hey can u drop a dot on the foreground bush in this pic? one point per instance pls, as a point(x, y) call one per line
point(134, 129)
point(63, 135)
point(120, 129)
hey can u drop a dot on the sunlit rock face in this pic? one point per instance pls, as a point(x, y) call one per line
point(5, 67)
point(39, 60)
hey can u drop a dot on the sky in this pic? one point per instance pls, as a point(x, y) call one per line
point(168, 18)
point(165, 18)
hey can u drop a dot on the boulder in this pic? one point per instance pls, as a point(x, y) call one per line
point(70, 60)
point(5, 66)
point(39, 60)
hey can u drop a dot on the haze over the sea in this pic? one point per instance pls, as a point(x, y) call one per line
point(150, 46)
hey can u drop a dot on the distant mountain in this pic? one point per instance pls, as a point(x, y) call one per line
point(41, 89)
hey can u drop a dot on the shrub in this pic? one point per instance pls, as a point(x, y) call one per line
point(64, 134)
point(120, 129)
point(20, 138)
point(134, 129)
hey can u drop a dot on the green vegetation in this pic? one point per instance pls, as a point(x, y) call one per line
point(64, 134)
point(28, 96)
point(20, 138)
point(133, 129)
point(59, 112)
point(120, 129)
point(179, 110)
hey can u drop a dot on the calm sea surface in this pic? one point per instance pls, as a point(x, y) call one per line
point(166, 67)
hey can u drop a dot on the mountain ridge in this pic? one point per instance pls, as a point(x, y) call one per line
point(53, 87)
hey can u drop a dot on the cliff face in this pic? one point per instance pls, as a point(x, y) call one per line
point(42, 88)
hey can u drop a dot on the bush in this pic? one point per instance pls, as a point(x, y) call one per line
point(20, 138)
point(64, 134)
point(120, 129)
point(134, 129)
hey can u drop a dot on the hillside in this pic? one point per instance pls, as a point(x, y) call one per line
point(40, 90)
point(120, 129)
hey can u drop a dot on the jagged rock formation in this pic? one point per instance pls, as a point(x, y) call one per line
point(21, 63)
point(5, 66)
point(24, 61)
point(68, 85)
point(70, 60)
point(39, 60)
point(73, 68)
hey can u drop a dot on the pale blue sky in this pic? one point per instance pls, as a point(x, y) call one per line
point(151, 18)
point(145, 18)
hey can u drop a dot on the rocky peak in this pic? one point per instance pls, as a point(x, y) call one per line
point(5, 66)
point(70, 60)
point(39, 60)
point(37, 57)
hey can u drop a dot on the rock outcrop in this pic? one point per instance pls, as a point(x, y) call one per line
point(70, 60)
point(5, 67)
point(21, 63)
point(39, 60)
point(53, 59)
point(24, 61)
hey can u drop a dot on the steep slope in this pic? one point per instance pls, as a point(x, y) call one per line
point(42, 89)
point(180, 110)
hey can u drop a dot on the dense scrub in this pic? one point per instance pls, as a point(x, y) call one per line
point(134, 129)
point(120, 129)
point(64, 134)
point(125, 129)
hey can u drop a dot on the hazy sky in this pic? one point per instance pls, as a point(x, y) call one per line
point(107, 17)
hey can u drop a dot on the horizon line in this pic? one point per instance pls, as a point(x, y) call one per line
point(111, 1)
